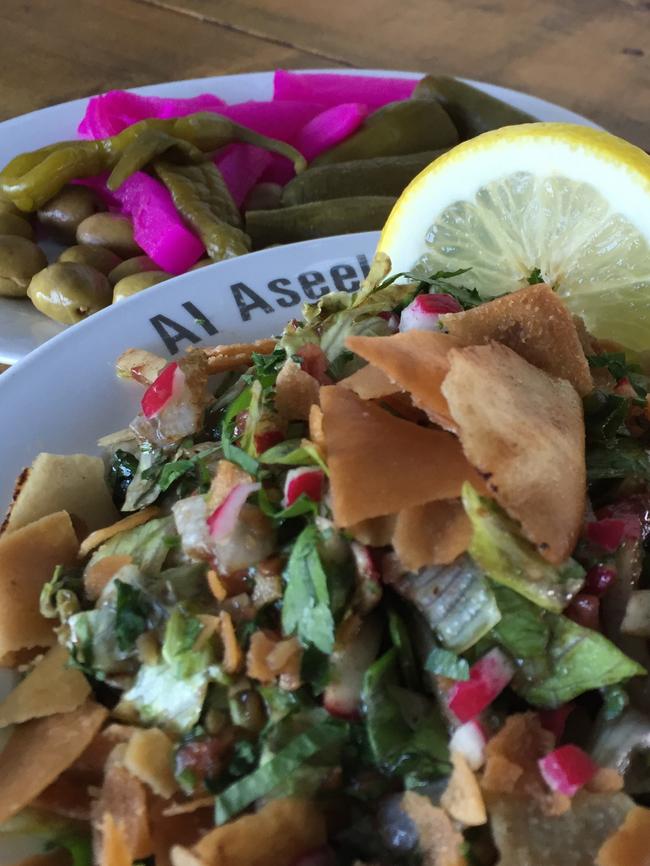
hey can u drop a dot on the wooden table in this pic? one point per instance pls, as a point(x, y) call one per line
point(589, 55)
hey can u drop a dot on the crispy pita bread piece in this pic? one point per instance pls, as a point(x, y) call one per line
point(380, 464)
point(462, 799)
point(376, 531)
point(51, 687)
point(40, 750)
point(54, 482)
point(223, 358)
point(370, 383)
point(124, 799)
point(28, 558)
point(535, 324)
point(417, 362)
point(440, 844)
point(183, 827)
point(630, 843)
point(115, 849)
point(295, 392)
point(279, 834)
point(524, 431)
point(431, 534)
point(149, 757)
point(525, 836)
point(99, 536)
point(139, 364)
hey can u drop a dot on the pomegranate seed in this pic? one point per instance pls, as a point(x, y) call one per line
point(584, 610)
point(598, 579)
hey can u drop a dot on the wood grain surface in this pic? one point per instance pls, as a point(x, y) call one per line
point(589, 55)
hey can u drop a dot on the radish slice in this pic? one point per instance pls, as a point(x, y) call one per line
point(348, 665)
point(608, 533)
point(223, 519)
point(161, 390)
point(304, 480)
point(329, 128)
point(267, 439)
point(157, 226)
point(470, 740)
point(488, 677)
point(112, 112)
point(555, 720)
point(424, 311)
point(567, 769)
point(331, 89)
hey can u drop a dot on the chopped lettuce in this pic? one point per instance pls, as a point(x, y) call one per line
point(146, 545)
point(277, 769)
point(143, 488)
point(456, 600)
point(405, 732)
point(132, 610)
point(293, 452)
point(556, 658)
point(498, 547)
point(55, 831)
point(445, 663)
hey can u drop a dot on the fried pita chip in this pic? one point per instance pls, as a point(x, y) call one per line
point(115, 850)
point(527, 837)
point(630, 844)
point(440, 844)
point(148, 757)
point(188, 806)
point(28, 557)
point(524, 431)
point(139, 364)
point(605, 781)
point(233, 657)
point(316, 427)
point(51, 687)
point(99, 536)
point(462, 799)
point(98, 574)
point(288, 827)
point(183, 827)
point(431, 534)
point(40, 750)
point(370, 383)
point(124, 798)
point(380, 464)
point(73, 483)
point(295, 392)
point(223, 358)
point(535, 324)
point(376, 531)
point(416, 361)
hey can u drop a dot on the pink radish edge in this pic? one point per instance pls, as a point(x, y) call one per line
point(223, 519)
point(488, 677)
point(567, 769)
point(303, 480)
point(162, 389)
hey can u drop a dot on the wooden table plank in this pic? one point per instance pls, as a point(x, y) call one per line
point(55, 51)
point(591, 56)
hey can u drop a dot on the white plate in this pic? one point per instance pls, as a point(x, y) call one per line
point(22, 328)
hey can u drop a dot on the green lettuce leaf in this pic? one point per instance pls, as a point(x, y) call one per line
point(293, 452)
point(278, 769)
point(55, 831)
point(556, 658)
point(406, 734)
point(507, 558)
point(146, 545)
point(445, 663)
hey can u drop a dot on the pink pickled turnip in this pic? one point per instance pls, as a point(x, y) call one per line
point(241, 166)
point(555, 720)
point(348, 665)
point(110, 113)
point(424, 311)
point(488, 677)
point(161, 390)
point(157, 226)
point(303, 481)
point(608, 533)
point(330, 88)
point(223, 519)
point(470, 740)
point(280, 120)
point(567, 769)
point(329, 128)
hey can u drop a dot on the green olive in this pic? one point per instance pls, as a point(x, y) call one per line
point(134, 265)
point(68, 291)
point(202, 263)
point(128, 286)
point(97, 257)
point(20, 259)
point(10, 224)
point(7, 206)
point(264, 196)
point(62, 214)
point(110, 230)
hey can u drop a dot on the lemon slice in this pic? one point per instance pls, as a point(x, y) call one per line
point(569, 200)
